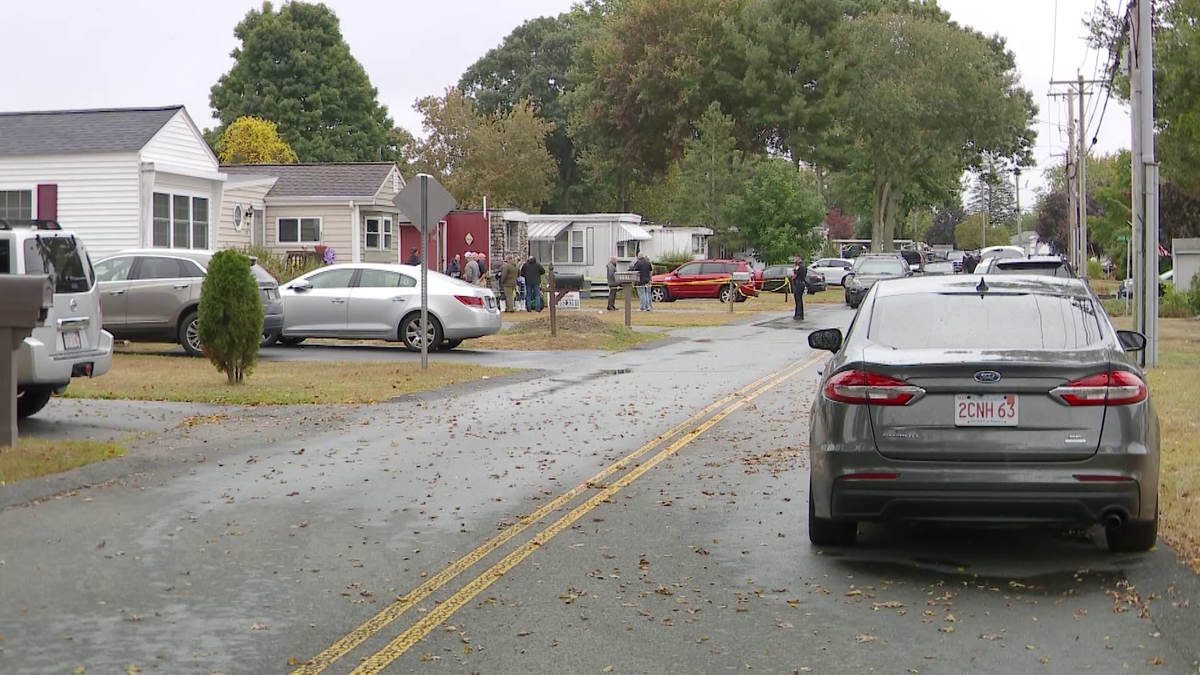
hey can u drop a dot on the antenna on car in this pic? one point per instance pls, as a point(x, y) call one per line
point(982, 287)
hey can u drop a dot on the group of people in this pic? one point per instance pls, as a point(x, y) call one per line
point(645, 271)
point(474, 271)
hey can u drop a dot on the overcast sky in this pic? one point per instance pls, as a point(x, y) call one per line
point(83, 54)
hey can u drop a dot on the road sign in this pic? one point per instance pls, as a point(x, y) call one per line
point(1122, 238)
point(438, 203)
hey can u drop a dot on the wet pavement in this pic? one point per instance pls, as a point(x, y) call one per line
point(641, 512)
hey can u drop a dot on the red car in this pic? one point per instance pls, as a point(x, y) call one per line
point(703, 279)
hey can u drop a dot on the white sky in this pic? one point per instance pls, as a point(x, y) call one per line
point(120, 53)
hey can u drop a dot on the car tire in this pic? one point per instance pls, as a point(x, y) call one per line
point(290, 341)
point(742, 297)
point(724, 293)
point(269, 339)
point(1135, 536)
point(451, 344)
point(31, 401)
point(823, 532)
point(660, 294)
point(409, 332)
point(189, 334)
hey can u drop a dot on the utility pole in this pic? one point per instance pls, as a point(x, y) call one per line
point(1081, 172)
point(1077, 175)
point(1072, 194)
point(1137, 214)
point(1144, 30)
point(1017, 180)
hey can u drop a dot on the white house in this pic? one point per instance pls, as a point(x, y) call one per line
point(583, 244)
point(1186, 262)
point(121, 178)
point(668, 240)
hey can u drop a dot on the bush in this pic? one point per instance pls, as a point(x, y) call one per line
point(831, 250)
point(1095, 269)
point(277, 265)
point(230, 315)
point(1194, 294)
point(1173, 304)
point(670, 261)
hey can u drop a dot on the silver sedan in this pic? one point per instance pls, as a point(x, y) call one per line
point(383, 302)
point(983, 400)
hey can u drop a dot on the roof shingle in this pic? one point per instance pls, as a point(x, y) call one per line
point(61, 132)
point(362, 179)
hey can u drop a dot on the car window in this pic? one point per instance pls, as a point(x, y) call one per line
point(113, 269)
point(192, 269)
point(777, 271)
point(332, 279)
point(62, 259)
point(824, 262)
point(884, 266)
point(714, 268)
point(159, 268)
point(262, 276)
point(689, 269)
point(1002, 321)
point(385, 279)
point(1048, 268)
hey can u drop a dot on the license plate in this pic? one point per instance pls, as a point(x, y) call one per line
point(985, 410)
point(71, 340)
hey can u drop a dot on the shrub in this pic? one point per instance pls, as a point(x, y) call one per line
point(1173, 304)
point(277, 265)
point(1095, 269)
point(1194, 294)
point(831, 250)
point(230, 315)
point(670, 261)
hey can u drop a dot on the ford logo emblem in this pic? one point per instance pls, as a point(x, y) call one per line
point(987, 377)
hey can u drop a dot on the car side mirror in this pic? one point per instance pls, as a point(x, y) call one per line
point(1132, 341)
point(300, 285)
point(847, 267)
point(829, 340)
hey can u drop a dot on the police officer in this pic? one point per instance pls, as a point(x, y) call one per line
point(799, 285)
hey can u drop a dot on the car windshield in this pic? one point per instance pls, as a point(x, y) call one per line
point(1006, 321)
point(939, 267)
point(63, 259)
point(882, 267)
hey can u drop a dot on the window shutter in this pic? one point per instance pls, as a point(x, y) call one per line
point(47, 202)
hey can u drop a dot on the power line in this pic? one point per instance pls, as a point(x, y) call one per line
point(1112, 75)
point(1054, 48)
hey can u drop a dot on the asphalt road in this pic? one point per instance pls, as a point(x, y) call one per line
point(634, 513)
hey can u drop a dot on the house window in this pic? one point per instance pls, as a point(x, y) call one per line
point(16, 204)
point(179, 221)
point(387, 234)
point(627, 250)
point(512, 235)
point(577, 252)
point(373, 233)
point(698, 244)
point(298, 231)
point(379, 234)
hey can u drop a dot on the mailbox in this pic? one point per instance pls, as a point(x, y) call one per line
point(568, 282)
point(741, 276)
point(24, 302)
point(627, 277)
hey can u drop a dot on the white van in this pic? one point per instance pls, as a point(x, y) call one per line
point(71, 342)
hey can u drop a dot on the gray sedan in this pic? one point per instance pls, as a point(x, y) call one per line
point(1009, 400)
point(383, 302)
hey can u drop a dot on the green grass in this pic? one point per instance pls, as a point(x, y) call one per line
point(36, 457)
point(574, 331)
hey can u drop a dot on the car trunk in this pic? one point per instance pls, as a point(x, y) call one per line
point(1045, 430)
point(74, 323)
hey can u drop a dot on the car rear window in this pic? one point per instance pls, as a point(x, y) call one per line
point(882, 267)
point(996, 321)
point(1048, 268)
point(62, 259)
point(262, 276)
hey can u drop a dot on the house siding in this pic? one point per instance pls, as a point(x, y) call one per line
point(98, 194)
point(244, 195)
point(374, 255)
point(179, 145)
point(335, 228)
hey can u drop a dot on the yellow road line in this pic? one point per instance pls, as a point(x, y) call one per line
point(402, 604)
point(417, 632)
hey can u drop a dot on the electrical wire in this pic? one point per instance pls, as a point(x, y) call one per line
point(1126, 34)
point(1054, 48)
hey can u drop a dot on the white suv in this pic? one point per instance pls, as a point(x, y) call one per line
point(70, 343)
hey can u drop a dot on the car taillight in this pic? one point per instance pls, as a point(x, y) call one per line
point(470, 300)
point(1117, 387)
point(861, 387)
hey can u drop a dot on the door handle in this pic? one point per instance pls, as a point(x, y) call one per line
point(180, 287)
point(338, 301)
point(120, 292)
point(400, 299)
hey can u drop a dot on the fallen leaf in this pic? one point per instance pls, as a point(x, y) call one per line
point(259, 626)
point(865, 638)
point(608, 669)
point(991, 638)
point(1156, 661)
point(133, 669)
point(79, 670)
point(946, 629)
point(524, 633)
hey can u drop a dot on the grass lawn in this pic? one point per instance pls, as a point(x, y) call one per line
point(1175, 385)
point(177, 378)
point(37, 457)
point(576, 330)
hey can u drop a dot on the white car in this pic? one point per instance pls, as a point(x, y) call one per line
point(1002, 252)
point(365, 301)
point(833, 269)
point(71, 342)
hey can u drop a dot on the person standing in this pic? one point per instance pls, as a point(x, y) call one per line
point(413, 258)
point(611, 271)
point(645, 270)
point(508, 283)
point(454, 269)
point(532, 271)
point(799, 285)
point(471, 273)
point(485, 274)
point(970, 262)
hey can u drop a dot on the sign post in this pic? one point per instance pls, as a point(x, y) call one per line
point(425, 202)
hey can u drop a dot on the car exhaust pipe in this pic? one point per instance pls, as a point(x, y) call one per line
point(1113, 521)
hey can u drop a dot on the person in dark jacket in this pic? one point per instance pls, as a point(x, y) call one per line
point(611, 273)
point(413, 258)
point(532, 271)
point(799, 285)
point(508, 283)
point(645, 270)
point(970, 262)
point(454, 269)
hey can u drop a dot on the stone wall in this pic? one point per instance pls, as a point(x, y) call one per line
point(499, 230)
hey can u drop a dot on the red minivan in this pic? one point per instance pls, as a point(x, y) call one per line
point(702, 279)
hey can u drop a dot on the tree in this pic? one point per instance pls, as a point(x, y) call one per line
point(944, 227)
point(253, 140)
point(230, 315)
point(449, 120)
point(711, 170)
point(918, 92)
point(969, 233)
point(780, 214)
point(1053, 213)
point(992, 194)
point(839, 225)
point(294, 67)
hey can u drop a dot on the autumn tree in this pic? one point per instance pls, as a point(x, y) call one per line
point(942, 230)
point(253, 140)
point(295, 68)
point(839, 225)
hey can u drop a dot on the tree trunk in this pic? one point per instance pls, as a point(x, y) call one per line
point(878, 214)
point(892, 211)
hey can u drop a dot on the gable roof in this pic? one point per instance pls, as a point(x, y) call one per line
point(62, 132)
point(349, 179)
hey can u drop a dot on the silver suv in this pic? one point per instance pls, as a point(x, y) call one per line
point(152, 295)
point(70, 343)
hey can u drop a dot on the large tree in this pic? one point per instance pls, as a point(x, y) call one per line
point(992, 193)
point(919, 92)
point(945, 221)
point(779, 214)
point(712, 169)
point(294, 67)
point(253, 140)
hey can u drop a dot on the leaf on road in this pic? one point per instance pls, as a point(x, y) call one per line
point(946, 629)
point(608, 669)
point(1045, 660)
point(663, 590)
point(1156, 661)
point(890, 604)
point(950, 619)
point(293, 661)
point(524, 633)
point(259, 626)
point(991, 638)
point(133, 669)
point(79, 670)
point(864, 638)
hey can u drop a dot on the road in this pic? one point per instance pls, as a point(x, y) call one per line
point(635, 513)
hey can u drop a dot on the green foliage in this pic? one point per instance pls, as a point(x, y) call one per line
point(276, 265)
point(253, 140)
point(294, 67)
point(968, 234)
point(672, 260)
point(230, 315)
point(1193, 295)
point(712, 169)
point(942, 231)
point(1173, 304)
point(831, 250)
point(779, 214)
point(1095, 269)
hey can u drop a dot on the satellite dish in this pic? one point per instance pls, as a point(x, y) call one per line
point(237, 217)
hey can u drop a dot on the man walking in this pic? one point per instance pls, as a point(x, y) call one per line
point(532, 272)
point(471, 273)
point(799, 285)
point(612, 283)
point(413, 258)
point(644, 270)
point(508, 283)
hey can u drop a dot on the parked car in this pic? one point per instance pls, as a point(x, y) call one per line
point(1042, 265)
point(916, 261)
point(1125, 290)
point(832, 269)
point(152, 295)
point(703, 279)
point(1012, 400)
point(871, 269)
point(364, 301)
point(940, 268)
point(1001, 252)
point(956, 257)
point(777, 278)
point(70, 343)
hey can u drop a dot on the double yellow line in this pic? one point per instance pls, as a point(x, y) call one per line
point(443, 611)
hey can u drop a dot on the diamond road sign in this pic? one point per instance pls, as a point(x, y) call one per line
point(438, 203)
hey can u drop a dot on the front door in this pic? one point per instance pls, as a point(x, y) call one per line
point(684, 285)
point(258, 228)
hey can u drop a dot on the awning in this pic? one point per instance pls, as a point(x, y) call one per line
point(634, 232)
point(547, 230)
